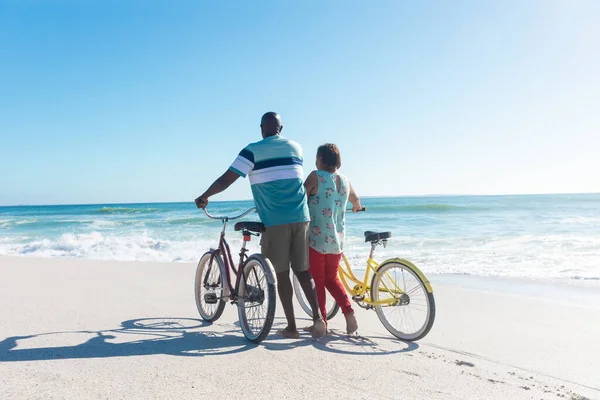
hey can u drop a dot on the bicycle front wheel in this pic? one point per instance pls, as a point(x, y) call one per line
point(331, 306)
point(402, 302)
point(256, 297)
point(209, 287)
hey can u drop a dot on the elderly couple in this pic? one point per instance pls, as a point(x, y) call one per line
point(304, 221)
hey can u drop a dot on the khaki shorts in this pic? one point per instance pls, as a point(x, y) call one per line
point(286, 244)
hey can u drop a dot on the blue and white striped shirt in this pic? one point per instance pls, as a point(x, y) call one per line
point(274, 168)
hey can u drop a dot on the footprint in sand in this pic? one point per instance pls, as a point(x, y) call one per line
point(460, 363)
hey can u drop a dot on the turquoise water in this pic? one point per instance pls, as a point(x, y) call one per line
point(546, 236)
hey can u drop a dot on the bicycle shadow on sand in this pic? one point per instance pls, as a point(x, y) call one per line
point(137, 337)
point(177, 337)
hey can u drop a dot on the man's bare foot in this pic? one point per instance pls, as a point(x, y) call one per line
point(319, 329)
point(289, 333)
point(351, 323)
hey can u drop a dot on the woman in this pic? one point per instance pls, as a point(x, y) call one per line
point(328, 194)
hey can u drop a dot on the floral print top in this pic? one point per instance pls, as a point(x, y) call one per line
point(327, 211)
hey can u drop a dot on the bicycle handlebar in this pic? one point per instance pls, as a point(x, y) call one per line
point(229, 218)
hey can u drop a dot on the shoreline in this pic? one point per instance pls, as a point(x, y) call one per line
point(489, 282)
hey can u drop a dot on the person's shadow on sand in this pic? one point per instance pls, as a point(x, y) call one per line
point(170, 336)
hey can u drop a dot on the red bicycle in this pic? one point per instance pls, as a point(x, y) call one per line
point(253, 290)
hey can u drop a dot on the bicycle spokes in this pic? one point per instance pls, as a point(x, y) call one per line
point(402, 302)
point(256, 299)
point(254, 293)
point(388, 285)
point(209, 287)
point(212, 285)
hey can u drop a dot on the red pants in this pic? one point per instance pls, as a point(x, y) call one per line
point(324, 270)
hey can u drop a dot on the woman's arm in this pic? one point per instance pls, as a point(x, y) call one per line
point(311, 184)
point(354, 199)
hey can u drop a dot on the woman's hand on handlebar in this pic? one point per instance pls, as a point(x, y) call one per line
point(357, 207)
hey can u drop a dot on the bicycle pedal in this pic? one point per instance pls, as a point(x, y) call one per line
point(211, 298)
point(255, 294)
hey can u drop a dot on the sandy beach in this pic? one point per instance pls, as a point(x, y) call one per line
point(136, 135)
point(80, 329)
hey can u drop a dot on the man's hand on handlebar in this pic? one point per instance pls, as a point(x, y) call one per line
point(201, 202)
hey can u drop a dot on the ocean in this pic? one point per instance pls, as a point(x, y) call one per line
point(527, 236)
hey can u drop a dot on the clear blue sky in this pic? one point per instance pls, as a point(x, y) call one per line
point(125, 101)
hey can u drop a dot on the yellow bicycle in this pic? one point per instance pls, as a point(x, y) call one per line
point(396, 289)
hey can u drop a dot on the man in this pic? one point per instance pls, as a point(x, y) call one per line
point(274, 168)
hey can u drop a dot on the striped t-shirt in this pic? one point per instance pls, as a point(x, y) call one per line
point(274, 168)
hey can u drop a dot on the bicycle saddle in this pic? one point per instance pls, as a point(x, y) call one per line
point(257, 227)
point(375, 236)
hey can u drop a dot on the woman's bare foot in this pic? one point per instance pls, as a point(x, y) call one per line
point(311, 327)
point(289, 333)
point(351, 323)
point(319, 329)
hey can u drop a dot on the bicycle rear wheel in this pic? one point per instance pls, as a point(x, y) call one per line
point(402, 302)
point(256, 298)
point(209, 287)
point(331, 306)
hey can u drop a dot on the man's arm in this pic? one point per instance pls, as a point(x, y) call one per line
point(311, 184)
point(222, 183)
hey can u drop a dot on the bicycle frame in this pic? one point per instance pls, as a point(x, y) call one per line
point(361, 290)
point(225, 250)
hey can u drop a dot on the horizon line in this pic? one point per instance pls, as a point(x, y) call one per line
point(362, 197)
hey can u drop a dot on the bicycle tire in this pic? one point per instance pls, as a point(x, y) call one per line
point(332, 307)
point(379, 286)
point(209, 312)
point(256, 333)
